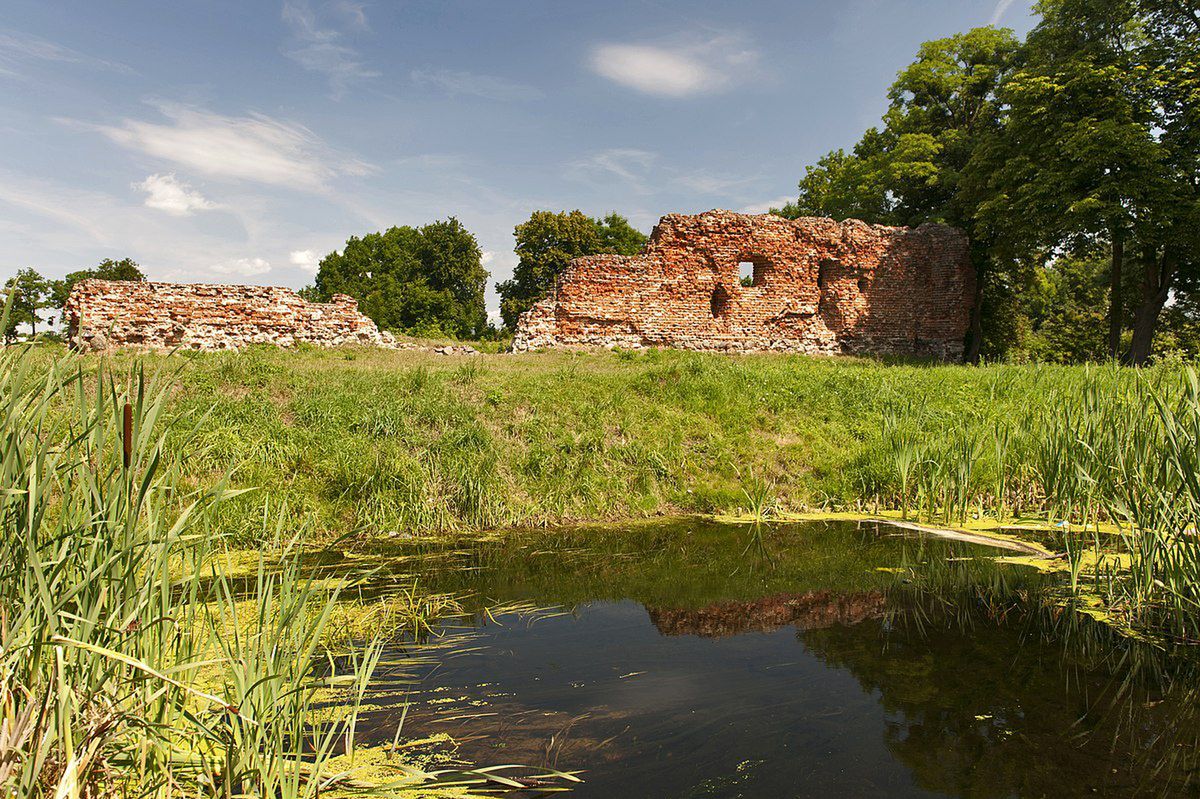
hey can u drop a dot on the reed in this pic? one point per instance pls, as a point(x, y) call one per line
point(130, 663)
point(1110, 462)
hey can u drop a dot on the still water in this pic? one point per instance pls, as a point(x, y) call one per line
point(692, 659)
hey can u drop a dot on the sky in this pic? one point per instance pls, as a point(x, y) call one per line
point(239, 142)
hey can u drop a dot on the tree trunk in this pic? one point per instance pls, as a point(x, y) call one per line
point(1114, 289)
point(1157, 278)
point(975, 333)
point(979, 261)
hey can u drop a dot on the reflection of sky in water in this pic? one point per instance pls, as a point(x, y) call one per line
point(746, 690)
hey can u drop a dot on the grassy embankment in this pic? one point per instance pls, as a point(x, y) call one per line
point(1102, 460)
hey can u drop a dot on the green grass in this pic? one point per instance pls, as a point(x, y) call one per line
point(139, 656)
point(377, 443)
point(374, 443)
point(412, 442)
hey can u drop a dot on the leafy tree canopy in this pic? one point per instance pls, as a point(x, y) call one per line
point(547, 242)
point(108, 269)
point(426, 280)
point(26, 292)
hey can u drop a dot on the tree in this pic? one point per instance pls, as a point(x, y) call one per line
point(911, 170)
point(27, 291)
point(1095, 150)
point(547, 242)
point(1065, 308)
point(1169, 259)
point(108, 269)
point(425, 280)
point(619, 237)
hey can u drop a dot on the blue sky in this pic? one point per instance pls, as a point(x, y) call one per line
point(241, 141)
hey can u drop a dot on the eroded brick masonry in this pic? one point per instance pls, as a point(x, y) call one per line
point(818, 286)
point(104, 314)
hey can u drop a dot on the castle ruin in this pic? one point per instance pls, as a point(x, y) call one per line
point(109, 314)
point(813, 286)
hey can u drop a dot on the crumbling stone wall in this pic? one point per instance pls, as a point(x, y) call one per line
point(819, 287)
point(107, 314)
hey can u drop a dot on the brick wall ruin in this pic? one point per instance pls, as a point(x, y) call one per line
point(106, 314)
point(818, 286)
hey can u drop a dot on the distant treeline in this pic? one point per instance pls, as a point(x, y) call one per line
point(431, 280)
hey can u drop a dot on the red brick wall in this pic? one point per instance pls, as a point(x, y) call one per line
point(821, 287)
point(104, 314)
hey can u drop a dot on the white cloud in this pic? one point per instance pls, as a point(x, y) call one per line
point(246, 267)
point(255, 147)
point(468, 83)
point(1001, 8)
point(766, 206)
point(165, 192)
point(17, 47)
point(487, 257)
point(320, 47)
point(628, 164)
point(307, 260)
point(676, 70)
point(68, 207)
point(708, 183)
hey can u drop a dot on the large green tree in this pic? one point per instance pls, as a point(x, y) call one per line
point(1170, 254)
point(1094, 151)
point(26, 292)
point(547, 242)
point(108, 269)
point(911, 169)
point(423, 280)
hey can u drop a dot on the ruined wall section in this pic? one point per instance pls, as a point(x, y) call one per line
point(106, 314)
point(819, 287)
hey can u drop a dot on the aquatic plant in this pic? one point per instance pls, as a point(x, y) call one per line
point(130, 662)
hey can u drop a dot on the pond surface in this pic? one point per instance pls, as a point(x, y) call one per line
point(692, 659)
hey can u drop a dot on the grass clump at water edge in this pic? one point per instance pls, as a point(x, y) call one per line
point(131, 662)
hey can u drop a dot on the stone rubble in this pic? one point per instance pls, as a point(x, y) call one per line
point(819, 287)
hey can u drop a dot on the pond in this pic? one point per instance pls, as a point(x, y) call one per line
point(694, 659)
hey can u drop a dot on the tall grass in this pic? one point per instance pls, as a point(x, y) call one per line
point(130, 664)
point(402, 443)
point(1099, 452)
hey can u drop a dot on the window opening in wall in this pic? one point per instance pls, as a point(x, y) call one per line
point(746, 273)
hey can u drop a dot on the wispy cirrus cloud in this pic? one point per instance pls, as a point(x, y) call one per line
point(1001, 9)
point(167, 193)
point(488, 87)
point(255, 147)
point(630, 165)
point(319, 45)
point(18, 48)
point(709, 183)
point(677, 69)
point(644, 172)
